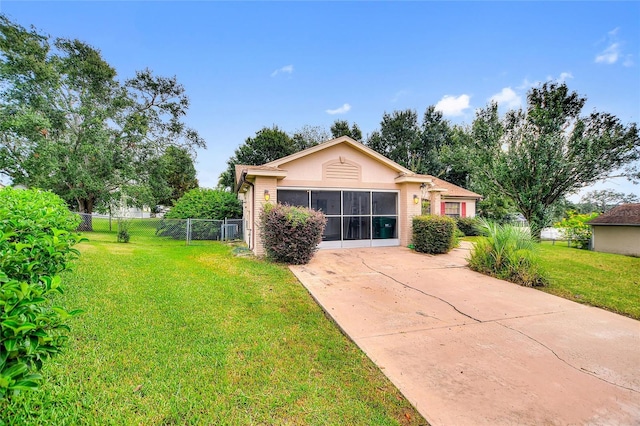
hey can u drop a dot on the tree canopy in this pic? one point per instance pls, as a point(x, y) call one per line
point(413, 144)
point(267, 145)
point(341, 128)
point(601, 200)
point(538, 155)
point(67, 124)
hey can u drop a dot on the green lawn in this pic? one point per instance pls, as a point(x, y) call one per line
point(610, 281)
point(177, 334)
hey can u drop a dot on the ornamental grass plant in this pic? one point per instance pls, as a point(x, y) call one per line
point(507, 252)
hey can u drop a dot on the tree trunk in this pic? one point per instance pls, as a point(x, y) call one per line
point(536, 223)
point(85, 207)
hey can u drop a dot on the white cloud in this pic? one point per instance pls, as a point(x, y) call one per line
point(344, 108)
point(507, 97)
point(613, 53)
point(288, 69)
point(399, 94)
point(610, 55)
point(453, 106)
point(526, 84)
point(564, 76)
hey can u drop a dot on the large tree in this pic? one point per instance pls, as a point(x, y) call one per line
point(69, 126)
point(399, 139)
point(601, 200)
point(436, 136)
point(171, 176)
point(308, 136)
point(538, 155)
point(341, 128)
point(415, 145)
point(267, 145)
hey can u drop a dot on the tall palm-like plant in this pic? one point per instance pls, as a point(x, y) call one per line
point(507, 252)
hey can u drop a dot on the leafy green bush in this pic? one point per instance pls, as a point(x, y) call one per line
point(468, 226)
point(202, 203)
point(291, 234)
point(433, 234)
point(507, 252)
point(576, 229)
point(36, 240)
point(123, 230)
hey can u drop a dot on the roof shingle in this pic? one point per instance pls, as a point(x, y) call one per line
point(624, 214)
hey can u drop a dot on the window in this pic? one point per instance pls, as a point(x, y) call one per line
point(293, 198)
point(351, 215)
point(328, 202)
point(452, 209)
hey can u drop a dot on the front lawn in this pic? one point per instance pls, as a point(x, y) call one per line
point(610, 281)
point(177, 334)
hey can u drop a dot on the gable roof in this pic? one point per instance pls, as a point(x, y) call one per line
point(274, 168)
point(624, 214)
point(453, 190)
point(346, 140)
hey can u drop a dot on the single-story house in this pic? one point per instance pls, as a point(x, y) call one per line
point(617, 231)
point(368, 200)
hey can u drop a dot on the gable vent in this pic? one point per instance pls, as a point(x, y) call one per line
point(342, 171)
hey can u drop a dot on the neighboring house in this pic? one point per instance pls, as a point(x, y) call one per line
point(368, 200)
point(617, 231)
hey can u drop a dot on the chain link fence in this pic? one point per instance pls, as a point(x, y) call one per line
point(188, 230)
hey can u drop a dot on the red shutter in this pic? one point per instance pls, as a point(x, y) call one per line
point(442, 209)
point(464, 210)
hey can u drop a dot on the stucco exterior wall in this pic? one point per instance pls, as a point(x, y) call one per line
point(408, 209)
point(619, 239)
point(310, 171)
point(259, 186)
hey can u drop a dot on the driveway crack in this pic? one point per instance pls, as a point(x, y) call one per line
point(579, 369)
point(419, 290)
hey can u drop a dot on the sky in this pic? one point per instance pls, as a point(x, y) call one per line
point(249, 65)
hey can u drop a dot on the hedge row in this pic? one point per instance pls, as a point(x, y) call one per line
point(433, 234)
point(36, 240)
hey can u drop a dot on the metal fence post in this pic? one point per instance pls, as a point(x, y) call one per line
point(188, 236)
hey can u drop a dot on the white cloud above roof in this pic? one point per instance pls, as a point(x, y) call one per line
point(507, 97)
point(287, 69)
point(453, 105)
point(343, 109)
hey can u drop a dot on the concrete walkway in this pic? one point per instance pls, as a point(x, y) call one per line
point(466, 349)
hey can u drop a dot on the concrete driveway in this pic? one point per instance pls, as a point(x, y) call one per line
point(466, 349)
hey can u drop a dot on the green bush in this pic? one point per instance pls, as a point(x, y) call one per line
point(576, 229)
point(202, 203)
point(123, 230)
point(468, 226)
point(291, 234)
point(36, 240)
point(433, 234)
point(507, 252)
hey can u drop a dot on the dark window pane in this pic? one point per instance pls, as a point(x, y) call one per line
point(355, 203)
point(328, 202)
point(384, 228)
point(293, 198)
point(357, 228)
point(385, 203)
point(332, 230)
